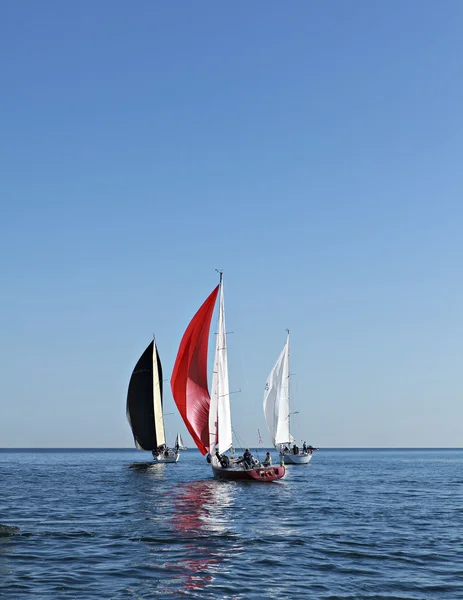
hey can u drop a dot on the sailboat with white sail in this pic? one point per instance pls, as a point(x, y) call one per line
point(179, 442)
point(277, 412)
point(208, 416)
point(144, 407)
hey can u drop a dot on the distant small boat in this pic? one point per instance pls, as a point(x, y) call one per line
point(277, 413)
point(179, 443)
point(207, 417)
point(144, 407)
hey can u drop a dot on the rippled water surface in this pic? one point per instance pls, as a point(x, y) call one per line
point(351, 524)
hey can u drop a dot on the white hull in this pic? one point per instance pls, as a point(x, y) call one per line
point(167, 459)
point(296, 459)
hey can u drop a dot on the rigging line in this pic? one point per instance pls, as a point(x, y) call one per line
point(240, 441)
point(229, 393)
point(295, 412)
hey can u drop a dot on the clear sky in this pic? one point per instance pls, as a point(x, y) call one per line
point(311, 150)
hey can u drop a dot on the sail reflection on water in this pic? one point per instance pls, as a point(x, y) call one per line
point(201, 517)
point(202, 507)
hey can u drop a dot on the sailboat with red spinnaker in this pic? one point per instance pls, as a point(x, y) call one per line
point(207, 416)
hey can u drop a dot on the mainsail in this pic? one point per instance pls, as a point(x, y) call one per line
point(189, 376)
point(276, 399)
point(220, 430)
point(144, 401)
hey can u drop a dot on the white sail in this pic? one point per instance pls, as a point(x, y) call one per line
point(283, 435)
point(271, 395)
point(220, 430)
point(179, 442)
point(157, 400)
point(276, 399)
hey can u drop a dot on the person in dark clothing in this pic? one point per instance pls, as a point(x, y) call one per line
point(223, 459)
point(246, 459)
point(267, 460)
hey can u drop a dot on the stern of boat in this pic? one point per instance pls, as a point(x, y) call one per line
point(296, 459)
point(172, 458)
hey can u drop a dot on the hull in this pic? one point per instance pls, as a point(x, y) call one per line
point(296, 459)
point(262, 474)
point(167, 459)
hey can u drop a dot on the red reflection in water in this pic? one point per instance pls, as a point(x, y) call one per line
point(194, 518)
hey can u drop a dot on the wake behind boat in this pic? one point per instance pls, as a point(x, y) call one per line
point(144, 407)
point(277, 413)
point(207, 416)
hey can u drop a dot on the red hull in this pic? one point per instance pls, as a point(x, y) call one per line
point(263, 474)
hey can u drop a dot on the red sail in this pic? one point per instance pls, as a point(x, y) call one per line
point(189, 377)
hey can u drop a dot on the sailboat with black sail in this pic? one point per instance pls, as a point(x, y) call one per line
point(144, 407)
point(208, 416)
point(277, 412)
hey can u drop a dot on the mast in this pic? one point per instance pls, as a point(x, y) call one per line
point(157, 397)
point(220, 431)
point(214, 401)
point(288, 386)
point(283, 435)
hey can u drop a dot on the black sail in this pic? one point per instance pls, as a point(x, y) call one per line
point(140, 407)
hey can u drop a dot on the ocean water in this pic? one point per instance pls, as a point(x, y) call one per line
point(353, 524)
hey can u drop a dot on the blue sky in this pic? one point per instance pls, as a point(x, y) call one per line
point(312, 151)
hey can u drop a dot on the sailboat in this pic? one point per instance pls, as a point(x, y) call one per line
point(179, 443)
point(208, 416)
point(144, 407)
point(277, 413)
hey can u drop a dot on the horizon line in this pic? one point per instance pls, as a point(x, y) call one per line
point(257, 447)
